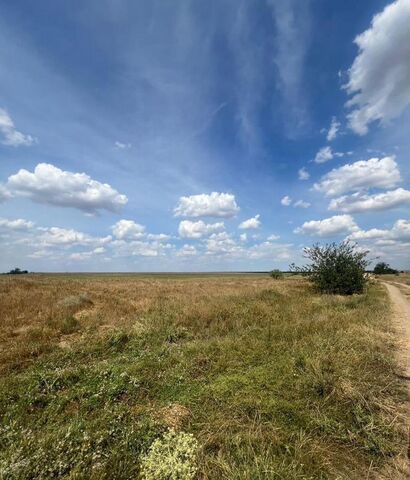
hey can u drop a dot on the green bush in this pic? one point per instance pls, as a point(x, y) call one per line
point(383, 268)
point(276, 274)
point(173, 457)
point(336, 268)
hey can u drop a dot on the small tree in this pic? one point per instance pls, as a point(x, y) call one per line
point(336, 268)
point(276, 274)
point(383, 268)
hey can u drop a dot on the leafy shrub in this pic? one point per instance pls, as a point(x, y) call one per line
point(173, 457)
point(276, 274)
point(336, 268)
point(383, 268)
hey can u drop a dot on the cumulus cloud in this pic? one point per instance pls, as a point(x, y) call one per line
point(272, 238)
point(159, 237)
point(187, 251)
point(11, 136)
point(324, 155)
point(253, 222)
point(53, 186)
point(400, 232)
point(81, 256)
point(127, 229)
point(221, 244)
point(204, 205)
point(339, 224)
point(199, 229)
point(375, 172)
point(18, 224)
point(333, 130)
point(301, 204)
point(56, 236)
point(303, 174)
point(359, 202)
point(286, 201)
point(379, 78)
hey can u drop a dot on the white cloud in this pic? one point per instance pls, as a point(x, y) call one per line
point(301, 204)
point(4, 193)
point(18, 224)
point(400, 232)
point(272, 251)
point(203, 205)
point(128, 229)
point(253, 222)
point(379, 78)
point(339, 224)
point(243, 237)
point(286, 201)
point(333, 129)
point(187, 251)
point(375, 172)
point(303, 174)
point(324, 155)
point(11, 136)
point(50, 185)
point(122, 146)
point(273, 238)
point(159, 237)
point(199, 229)
point(221, 244)
point(56, 236)
point(359, 202)
point(81, 256)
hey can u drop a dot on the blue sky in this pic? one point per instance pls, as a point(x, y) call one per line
point(191, 136)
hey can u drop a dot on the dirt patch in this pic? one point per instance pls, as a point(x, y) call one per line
point(174, 416)
point(400, 469)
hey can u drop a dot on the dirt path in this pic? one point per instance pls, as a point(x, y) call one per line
point(401, 311)
point(399, 469)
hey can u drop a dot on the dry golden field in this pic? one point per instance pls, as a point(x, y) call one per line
point(272, 380)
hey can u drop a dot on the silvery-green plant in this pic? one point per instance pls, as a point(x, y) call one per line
point(172, 457)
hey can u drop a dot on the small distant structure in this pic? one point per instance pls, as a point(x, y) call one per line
point(17, 271)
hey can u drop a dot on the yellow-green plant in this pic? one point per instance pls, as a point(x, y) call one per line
point(172, 457)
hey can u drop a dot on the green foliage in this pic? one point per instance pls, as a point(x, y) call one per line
point(173, 457)
point(336, 268)
point(383, 268)
point(17, 271)
point(276, 274)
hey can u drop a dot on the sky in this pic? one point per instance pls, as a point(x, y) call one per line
point(227, 135)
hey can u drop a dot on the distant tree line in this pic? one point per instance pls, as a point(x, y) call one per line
point(17, 271)
point(383, 268)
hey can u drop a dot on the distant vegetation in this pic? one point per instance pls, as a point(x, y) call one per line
point(276, 274)
point(383, 268)
point(336, 268)
point(17, 271)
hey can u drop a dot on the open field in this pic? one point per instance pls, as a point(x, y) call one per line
point(273, 380)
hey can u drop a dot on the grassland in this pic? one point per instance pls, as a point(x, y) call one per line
point(273, 380)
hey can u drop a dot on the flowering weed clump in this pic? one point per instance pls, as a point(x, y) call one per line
point(172, 457)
